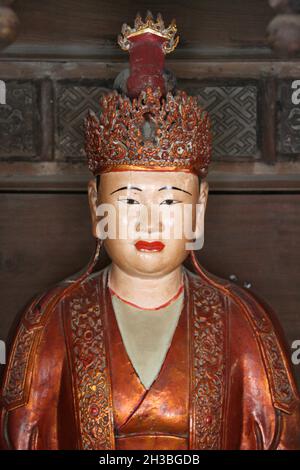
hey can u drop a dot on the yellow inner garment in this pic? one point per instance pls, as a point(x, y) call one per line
point(147, 335)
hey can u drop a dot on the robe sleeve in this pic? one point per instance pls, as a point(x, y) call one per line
point(30, 388)
point(282, 413)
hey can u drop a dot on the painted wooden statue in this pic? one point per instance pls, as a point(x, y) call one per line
point(149, 351)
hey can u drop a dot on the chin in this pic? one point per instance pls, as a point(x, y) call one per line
point(154, 264)
point(143, 263)
point(152, 268)
point(149, 264)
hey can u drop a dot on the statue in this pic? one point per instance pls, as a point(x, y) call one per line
point(149, 351)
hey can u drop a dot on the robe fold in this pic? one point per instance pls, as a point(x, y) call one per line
point(225, 383)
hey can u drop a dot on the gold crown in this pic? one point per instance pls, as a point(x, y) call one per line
point(148, 133)
point(150, 26)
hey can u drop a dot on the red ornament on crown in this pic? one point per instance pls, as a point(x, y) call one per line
point(147, 128)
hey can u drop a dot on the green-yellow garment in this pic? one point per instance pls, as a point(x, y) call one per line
point(147, 335)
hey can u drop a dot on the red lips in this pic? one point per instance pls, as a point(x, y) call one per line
point(142, 245)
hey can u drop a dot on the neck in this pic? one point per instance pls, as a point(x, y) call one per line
point(145, 292)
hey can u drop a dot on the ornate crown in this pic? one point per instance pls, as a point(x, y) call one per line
point(148, 130)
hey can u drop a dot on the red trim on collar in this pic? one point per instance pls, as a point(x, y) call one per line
point(151, 308)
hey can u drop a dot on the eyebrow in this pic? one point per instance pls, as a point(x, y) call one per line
point(174, 187)
point(126, 187)
point(160, 189)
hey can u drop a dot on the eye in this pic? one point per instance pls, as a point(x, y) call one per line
point(129, 200)
point(169, 202)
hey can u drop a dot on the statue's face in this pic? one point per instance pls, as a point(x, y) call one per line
point(149, 217)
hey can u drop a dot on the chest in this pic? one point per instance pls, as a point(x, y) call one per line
point(160, 412)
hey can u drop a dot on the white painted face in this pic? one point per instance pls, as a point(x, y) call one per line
point(163, 212)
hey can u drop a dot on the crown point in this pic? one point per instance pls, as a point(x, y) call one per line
point(149, 16)
point(138, 20)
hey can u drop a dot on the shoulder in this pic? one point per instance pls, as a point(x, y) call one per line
point(25, 339)
point(261, 322)
point(39, 322)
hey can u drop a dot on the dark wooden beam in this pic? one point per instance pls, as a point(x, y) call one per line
point(184, 69)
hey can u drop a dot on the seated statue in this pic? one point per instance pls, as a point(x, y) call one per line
point(148, 350)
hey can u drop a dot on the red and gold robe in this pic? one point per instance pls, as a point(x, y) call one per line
point(225, 383)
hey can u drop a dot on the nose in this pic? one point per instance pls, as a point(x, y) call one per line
point(150, 220)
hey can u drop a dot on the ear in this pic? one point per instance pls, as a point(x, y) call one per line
point(200, 213)
point(93, 202)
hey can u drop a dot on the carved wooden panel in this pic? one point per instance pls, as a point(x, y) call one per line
point(42, 123)
point(233, 111)
point(19, 118)
point(288, 120)
point(73, 101)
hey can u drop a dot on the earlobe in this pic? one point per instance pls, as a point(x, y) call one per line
point(203, 193)
point(200, 212)
point(93, 197)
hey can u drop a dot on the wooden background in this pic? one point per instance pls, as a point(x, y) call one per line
point(63, 58)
